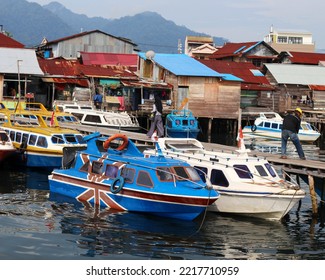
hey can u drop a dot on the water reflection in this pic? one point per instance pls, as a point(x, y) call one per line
point(38, 225)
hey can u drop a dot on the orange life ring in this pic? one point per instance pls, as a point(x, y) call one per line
point(116, 136)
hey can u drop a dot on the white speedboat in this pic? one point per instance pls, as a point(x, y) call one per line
point(87, 115)
point(247, 185)
point(269, 124)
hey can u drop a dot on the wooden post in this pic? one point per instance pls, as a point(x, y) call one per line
point(312, 194)
point(209, 130)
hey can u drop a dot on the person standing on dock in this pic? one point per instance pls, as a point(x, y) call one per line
point(157, 123)
point(290, 129)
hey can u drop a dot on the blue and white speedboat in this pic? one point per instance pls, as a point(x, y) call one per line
point(126, 179)
point(181, 124)
point(269, 125)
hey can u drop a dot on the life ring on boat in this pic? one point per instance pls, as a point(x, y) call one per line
point(116, 189)
point(116, 136)
point(253, 128)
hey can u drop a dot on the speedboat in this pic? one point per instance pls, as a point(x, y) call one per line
point(6, 147)
point(181, 124)
point(87, 115)
point(38, 144)
point(269, 124)
point(247, 185)
point(117, 175)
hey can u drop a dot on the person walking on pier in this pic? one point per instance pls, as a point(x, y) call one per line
point(290, 129)
point(157, 123)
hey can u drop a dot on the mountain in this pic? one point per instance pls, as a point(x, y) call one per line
point(29, 23)
point(148, 30)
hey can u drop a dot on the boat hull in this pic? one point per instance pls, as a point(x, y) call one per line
point(182, 133)
point(184, 207)
point(276, 134)
point(30, 159)
point(270, 206)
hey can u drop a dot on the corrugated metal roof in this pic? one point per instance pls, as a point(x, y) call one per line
point(28, 64)
point(183, 65)
point(7, 42)
point(297, 74)
point(306, 58)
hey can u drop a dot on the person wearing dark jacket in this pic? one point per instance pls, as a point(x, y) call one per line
point(290, 129)
point(157, 123)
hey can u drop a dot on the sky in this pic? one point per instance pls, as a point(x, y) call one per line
point(235, 20)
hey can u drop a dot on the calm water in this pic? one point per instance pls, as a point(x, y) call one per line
point(38, 225)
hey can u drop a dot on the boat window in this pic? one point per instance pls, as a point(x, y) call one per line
point(42, 142)
point(280, 127)
point(70, 138)
point(270, 169)
point(111, 171)
point(85, 166)
point(267, 124)
point(275, 125)
point(57, 139)
point(164, 174)
point(80, 138)
point(260, 169)
point(32, 140)
point(218, 178)
point(97, 167)
point(3, 137)
point(79, 116)
point(92, 118)
point(201, 171)
point(18, 137)
point(243, 171)
point(144, 179)
point(193, 173)
point(128, 174)
point(12, 135)
point(180, 171)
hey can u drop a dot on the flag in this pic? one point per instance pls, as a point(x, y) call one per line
point(240, 139)
point(52, 117)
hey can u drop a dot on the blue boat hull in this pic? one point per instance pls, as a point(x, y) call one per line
point(159, 204)
point(182, 133)
point(37, 160)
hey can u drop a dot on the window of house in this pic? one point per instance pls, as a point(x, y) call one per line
point(295, 40)
point(282, 39)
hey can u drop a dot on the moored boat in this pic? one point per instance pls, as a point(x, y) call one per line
point(87, 115)
point(6, 147)
point(126, 179)
point(181, 124)
point(269, 124)
point(39, 145)
point(247, 185)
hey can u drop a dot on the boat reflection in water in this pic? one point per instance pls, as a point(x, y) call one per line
point(120, 235)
